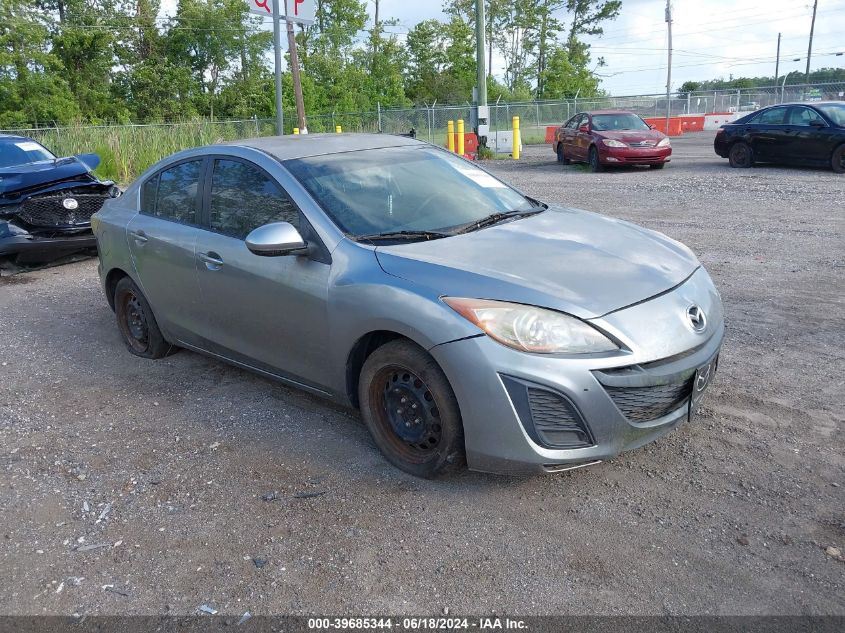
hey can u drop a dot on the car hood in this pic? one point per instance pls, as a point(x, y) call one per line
point(570, 260)
point(31, 175)
point(632, 136)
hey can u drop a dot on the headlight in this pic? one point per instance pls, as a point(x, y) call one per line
point(665, 143)
point(613, 142)
point(531, 329)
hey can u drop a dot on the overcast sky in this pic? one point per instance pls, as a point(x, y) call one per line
point(711, 38)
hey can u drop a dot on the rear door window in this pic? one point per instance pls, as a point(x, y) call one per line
point(175, 192)
point(775, 116)
point(244, 197)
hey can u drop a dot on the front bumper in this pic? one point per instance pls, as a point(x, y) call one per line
point(634, 155)
point(662, 350)
point(29, 249)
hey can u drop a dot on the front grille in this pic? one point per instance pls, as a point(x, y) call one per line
point(642, 144)
point(48, 210)
point(639, 159)
point(643, 404)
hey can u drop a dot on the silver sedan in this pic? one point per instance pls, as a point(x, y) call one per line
point(468, 322)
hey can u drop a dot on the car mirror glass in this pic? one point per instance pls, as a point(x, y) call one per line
point(276, 239)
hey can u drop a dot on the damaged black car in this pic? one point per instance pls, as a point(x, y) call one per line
point(46, 203)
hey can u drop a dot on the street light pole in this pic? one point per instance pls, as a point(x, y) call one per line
point(277, 52)
point(810, 47)
point(777, 63)
point(669, 65)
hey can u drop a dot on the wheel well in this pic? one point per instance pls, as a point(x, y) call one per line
point(114, 276)
point(363, 347)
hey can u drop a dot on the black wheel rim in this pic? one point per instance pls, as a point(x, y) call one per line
point(594, 158)
point(741, 154)
point(134, 322)
point(407, 413)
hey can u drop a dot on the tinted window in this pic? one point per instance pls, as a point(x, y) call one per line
point(148, 195)
point(804, 116)
point(176, 198)
point(244, 198)
point(771, 117)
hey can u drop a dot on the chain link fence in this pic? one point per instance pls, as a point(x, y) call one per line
point(126, 150)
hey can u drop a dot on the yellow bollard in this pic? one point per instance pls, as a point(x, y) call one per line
point(516, 138)
point(338, 129)
point(296, 130)
point(450, 135)
point(461, 137)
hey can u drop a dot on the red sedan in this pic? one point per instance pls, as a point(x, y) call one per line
point(611, 138)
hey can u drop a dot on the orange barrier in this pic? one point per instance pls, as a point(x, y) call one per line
point(551, 130)
point(692, 122)
point(659, 123)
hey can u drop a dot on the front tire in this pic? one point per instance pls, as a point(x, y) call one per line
point(410, 410)
point(657, 165)
point(561, 156)
point(741, 155)
point(595, 162)
point(136, 322)
point(837, 161)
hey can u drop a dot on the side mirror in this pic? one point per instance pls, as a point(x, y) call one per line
point(584, 128)
point(276, 239)
point(652, 126)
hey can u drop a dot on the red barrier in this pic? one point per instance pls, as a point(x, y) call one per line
point(470, 143)
point(551, 131)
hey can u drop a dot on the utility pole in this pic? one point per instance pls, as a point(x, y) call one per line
point(297, 82)
point(669, 65)
point(810, 47)
point(483, 112)
point(277, 53)
point(777, 63)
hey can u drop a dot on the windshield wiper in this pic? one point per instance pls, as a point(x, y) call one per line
point(402, 235)
point(495, 218)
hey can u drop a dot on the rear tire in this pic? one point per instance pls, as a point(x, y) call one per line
point(595, 163)
point(136, 322)
point(741, 155)
point(837, 161)
point(410, 410)
point(561, 156)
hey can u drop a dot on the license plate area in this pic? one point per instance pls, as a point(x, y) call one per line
point(700, 381)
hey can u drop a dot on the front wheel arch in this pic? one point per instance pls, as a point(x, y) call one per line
point(112, 279)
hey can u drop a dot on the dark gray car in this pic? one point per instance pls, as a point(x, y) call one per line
point(465, 319)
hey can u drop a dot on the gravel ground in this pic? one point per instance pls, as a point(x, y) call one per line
point(152, 487)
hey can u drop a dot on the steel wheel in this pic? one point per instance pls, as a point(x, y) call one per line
point(410, 409)
point(136, 322)
point(595, 163)
point(133, 322)
point(837, 161)
point(407, 410)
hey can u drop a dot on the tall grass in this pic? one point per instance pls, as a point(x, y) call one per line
point(125, 151)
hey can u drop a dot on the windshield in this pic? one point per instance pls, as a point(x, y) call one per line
point(604, 122)
point(21, 152)
point(416, 188)
point(834, 111)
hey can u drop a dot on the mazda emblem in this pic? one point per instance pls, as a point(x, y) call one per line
point(696, 318)
point(70, 204)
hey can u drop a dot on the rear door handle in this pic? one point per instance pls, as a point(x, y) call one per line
point(139, 236)
point(212, 260)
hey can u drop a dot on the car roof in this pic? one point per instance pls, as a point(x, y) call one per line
point(807, 103)
point(592, 112)
point(305, 145)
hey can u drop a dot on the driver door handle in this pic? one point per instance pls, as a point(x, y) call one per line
point(212, 260)
point(139, 236)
